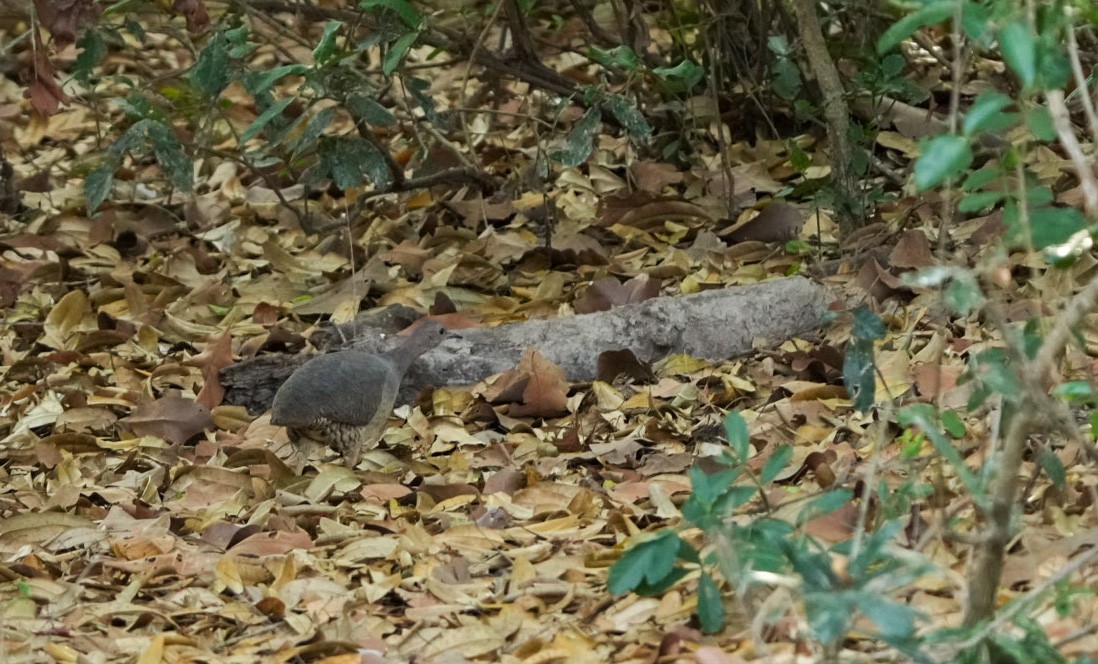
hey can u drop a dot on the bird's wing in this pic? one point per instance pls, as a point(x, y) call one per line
point(345, 387)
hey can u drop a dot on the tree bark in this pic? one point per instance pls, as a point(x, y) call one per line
point(714, 325)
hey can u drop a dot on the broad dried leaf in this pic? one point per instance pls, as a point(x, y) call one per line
point(171, 418)
point(608, 292)
point(777, 222)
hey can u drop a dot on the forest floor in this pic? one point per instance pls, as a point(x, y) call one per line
point(145, 519)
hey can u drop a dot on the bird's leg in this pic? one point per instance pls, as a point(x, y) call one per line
point(305, 443)
point(352, 458)
point(353, 449)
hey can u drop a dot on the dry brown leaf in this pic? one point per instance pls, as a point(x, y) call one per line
point(912, 250)
point(171, 418)
point(777, 222)
point(608, 292)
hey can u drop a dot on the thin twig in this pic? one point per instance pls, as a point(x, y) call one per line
point(1061, 119)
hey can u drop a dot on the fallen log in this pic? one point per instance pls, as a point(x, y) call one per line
point(714, 325)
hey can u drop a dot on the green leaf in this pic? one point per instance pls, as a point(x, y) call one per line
point(648, 561)
point(798, 158)
point(1052, 465)
point(976, 23)
point(981, 178)
point(929, 14)
point(1054, 225)
point(421, 92)
point(739, 439)
point(139, 107)
point(963, 293)
point(986, 113)
point(925, 417)
point(859, 373)
point(1039, 195)
point(176, 164)
point(627, 114)
point(868, 326)
point(775, 464)
point(892, 65)
point(97, 186)
point(942, 157)
point(315, 126)
point(658, 588)
point(1053, 67)
point(824, 504)
point(92, 50)
point(953, 424)
point(210, 73)
point(401, 8)
point(366, 108)
point(874, 559)
point(579, 142)
point(619, 57)
point(352, 161)
point(814, 567)
point(239, 46)
point(326, 48)
point(1019, 51)
point(779, 45)
point(979, 201)
point(993, 370)
point(708, 487)
point(273, 111)
point(710, 607)
point(829, 614)
point(1077, 391)
point(681, 78)
point(397, 51)
point(259, 83)
point(786, 80)
point(1039, 121)
point(894, 620)
point(734, 497)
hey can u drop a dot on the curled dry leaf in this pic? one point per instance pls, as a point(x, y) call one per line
point(912, 250)
point(652, 176)
point(777, 222)
point(639, 210)
point(614, 363)
point(217, 356)
point(608, 292)
point(536, 388)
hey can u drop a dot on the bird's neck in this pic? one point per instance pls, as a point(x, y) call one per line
point(402, 357)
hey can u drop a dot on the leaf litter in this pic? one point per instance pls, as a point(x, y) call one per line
point(144, 518)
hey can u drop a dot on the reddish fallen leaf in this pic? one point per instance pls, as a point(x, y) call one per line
point(506, 481)
point(194, 12)
point(777, 222)
point(912, 250)
point(652, 176)
point(171, 418)
point(217, 356)
point(614, 363)
point(546, 393)
point(608, 292)
point(66, 19)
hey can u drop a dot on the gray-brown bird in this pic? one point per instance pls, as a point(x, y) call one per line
point(344, 399)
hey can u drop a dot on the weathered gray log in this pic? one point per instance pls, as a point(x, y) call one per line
point(715, 325)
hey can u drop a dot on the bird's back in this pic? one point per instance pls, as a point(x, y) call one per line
point(348, 387)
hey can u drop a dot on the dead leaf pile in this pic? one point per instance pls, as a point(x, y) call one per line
point(144, 519)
